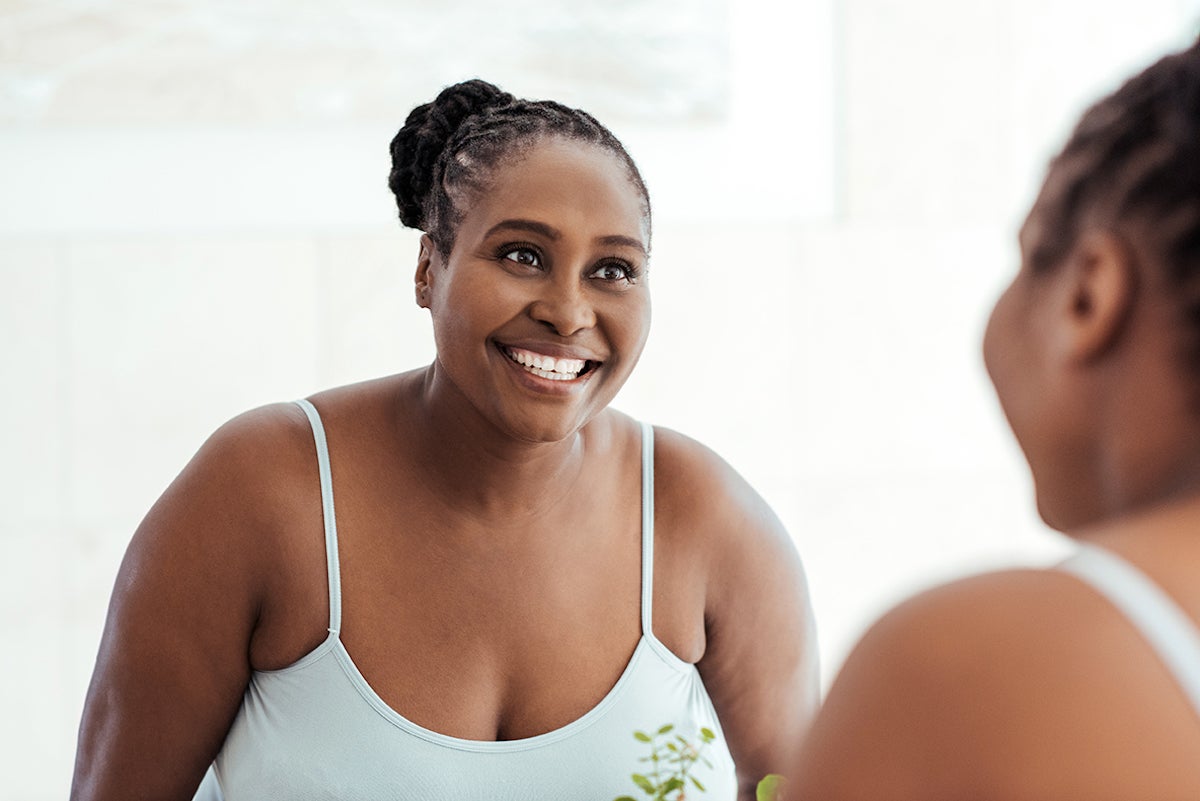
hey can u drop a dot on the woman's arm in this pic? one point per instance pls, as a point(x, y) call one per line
point(878, 735)
point(174, 659)
point(760, 660)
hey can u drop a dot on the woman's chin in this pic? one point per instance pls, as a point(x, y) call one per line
point(1068, 517)
point(543, 430)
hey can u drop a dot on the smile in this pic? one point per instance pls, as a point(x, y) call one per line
point(548, 367)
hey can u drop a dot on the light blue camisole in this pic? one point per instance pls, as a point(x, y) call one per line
point(316, 729)
point(1165, 627)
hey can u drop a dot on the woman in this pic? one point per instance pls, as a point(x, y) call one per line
point(1083, 681)
point(514, 577)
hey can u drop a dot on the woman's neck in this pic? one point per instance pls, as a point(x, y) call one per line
point(479, 469)
point(1170, 516)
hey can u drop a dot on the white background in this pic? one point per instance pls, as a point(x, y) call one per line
point(837, 189)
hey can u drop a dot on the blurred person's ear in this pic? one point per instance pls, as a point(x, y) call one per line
point(1099, 285)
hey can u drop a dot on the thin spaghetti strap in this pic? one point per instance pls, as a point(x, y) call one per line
point(1167, 629)
point(647, 529)
point(331, 545)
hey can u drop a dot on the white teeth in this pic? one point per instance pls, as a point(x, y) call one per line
point(552, 376)
point(547, 366)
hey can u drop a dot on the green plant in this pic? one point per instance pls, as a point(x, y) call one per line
point(669, 772)
point(671, 761)
point(770, 788)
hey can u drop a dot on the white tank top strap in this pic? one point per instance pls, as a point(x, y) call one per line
point(647, 529)
point(1169, 631)
point(331, 544)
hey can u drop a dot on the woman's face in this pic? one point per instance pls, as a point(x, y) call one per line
point(541, 310)
point(1016, 350)
point(1008, 351)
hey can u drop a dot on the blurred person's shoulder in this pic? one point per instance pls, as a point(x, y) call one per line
point(1002, 634)
point(1026, 682)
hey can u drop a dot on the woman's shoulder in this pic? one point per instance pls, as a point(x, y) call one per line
point(696, 486)
point(1016, 631)
point(1025, 675)
point(956, 665)
point(265, 447)
point(960, 636)
point(263, 462)
point(711, 516)
point(252, 476)
point(252, 448)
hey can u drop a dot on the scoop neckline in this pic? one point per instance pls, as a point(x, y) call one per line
point(493, 746)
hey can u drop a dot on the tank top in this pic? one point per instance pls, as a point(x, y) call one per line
point(317, 730)
point(1164, 626)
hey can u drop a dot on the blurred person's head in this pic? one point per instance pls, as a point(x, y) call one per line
point(1094, 349)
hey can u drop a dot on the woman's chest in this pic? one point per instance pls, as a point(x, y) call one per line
point(493, 639)
point(319, 731)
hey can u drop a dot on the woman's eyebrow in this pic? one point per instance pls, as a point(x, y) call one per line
point(532, 226)
point(619, 240)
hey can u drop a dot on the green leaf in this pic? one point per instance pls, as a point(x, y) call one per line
point(673, 784)
point(641, 736)
point(770, 788)
point(625, 798)
point(699, 786)
point(644, 783)
point(666, 728)
point(707, 735)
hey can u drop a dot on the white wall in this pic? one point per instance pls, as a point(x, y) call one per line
point(836, 203)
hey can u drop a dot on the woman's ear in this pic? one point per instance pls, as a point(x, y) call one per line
point(423, 280)
point(1101, 286)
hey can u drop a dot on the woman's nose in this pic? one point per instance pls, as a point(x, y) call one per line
point(564, 306)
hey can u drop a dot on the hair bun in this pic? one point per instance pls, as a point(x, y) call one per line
point(429, 127)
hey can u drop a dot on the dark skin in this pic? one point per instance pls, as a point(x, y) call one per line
point(466, 493)
point(1027, 684)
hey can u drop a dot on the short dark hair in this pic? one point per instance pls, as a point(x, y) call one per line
point(452, 144)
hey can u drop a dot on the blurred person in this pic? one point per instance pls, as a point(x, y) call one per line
point(1081, 681)
point(515, 577)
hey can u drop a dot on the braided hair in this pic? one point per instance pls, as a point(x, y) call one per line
point(447, 149)
point(1134, 159)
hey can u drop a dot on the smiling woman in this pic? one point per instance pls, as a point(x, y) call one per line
point(483, 615)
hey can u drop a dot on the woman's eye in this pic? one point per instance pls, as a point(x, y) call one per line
point(523, 256)
point(613, 272)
